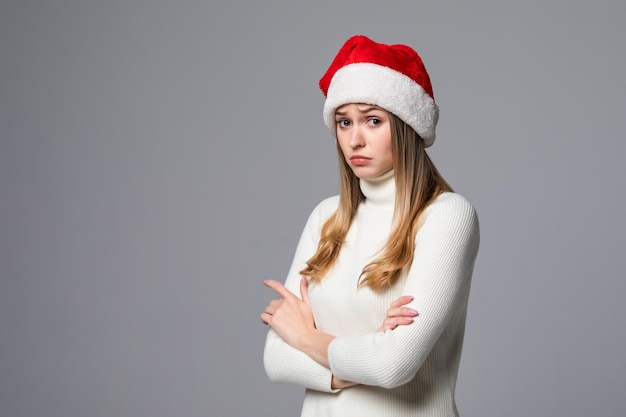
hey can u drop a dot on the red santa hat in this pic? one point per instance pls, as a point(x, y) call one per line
point(390, 76)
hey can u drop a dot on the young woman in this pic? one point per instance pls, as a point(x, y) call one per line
point(372, 315)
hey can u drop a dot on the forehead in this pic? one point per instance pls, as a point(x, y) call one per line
point(361, 107)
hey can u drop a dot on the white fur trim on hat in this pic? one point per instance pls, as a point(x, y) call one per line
point(384, 87)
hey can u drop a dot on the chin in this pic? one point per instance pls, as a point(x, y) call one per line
point(366, 175)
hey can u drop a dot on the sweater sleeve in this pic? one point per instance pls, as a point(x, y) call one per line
point(439, 279)
point(283, 363)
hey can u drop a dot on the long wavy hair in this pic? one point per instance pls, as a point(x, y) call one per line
point(418, 183)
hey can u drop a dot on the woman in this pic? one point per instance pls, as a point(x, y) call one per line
point(372, 315)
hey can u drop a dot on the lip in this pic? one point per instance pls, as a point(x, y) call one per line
point(359, 160)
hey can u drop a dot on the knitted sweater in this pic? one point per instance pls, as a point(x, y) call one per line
point(408, 371)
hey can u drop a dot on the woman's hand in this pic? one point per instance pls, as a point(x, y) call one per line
point(290, 316)
point(398, 315)
point(341, 384)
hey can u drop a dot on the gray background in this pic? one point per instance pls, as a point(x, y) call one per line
point(159, 159)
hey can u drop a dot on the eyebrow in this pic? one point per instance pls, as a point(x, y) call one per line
point(362, 111)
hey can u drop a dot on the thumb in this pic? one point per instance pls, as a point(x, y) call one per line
point(304, 289)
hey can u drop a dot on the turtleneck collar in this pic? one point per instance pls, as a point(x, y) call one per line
point(379, 191)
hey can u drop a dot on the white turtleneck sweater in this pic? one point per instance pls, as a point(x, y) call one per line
point(408, 371)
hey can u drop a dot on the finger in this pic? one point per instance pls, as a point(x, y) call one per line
point(405, 299)
point(279, 288)
point(401, 312)
point(410, 312)
point(394, 311)
point(388, 325)
point(275, 303)
point(304, 290)
point(392, 323)
point(270, 311)
point(403, 320)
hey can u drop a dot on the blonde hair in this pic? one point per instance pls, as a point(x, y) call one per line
point(418, 183)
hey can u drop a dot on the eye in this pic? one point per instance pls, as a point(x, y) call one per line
point(341, 123)
point(374, 121)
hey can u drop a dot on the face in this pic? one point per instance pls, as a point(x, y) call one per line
point(364, 136)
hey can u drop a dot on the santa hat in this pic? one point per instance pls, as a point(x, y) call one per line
point(390, 76)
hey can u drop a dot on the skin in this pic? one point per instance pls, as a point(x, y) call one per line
point(364, 136)
point(292, 319)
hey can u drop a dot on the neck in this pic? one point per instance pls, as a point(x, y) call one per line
point(379, 191)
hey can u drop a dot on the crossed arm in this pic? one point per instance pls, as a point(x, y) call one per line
point(292, 319)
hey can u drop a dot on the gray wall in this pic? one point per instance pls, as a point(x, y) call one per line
point(159, 159)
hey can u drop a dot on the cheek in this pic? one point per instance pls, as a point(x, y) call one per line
point(387, 151)
point(389, 159)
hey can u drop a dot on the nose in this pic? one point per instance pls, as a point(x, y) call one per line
point(356, 138)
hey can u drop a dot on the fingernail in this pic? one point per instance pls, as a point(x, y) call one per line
point(415, 313)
